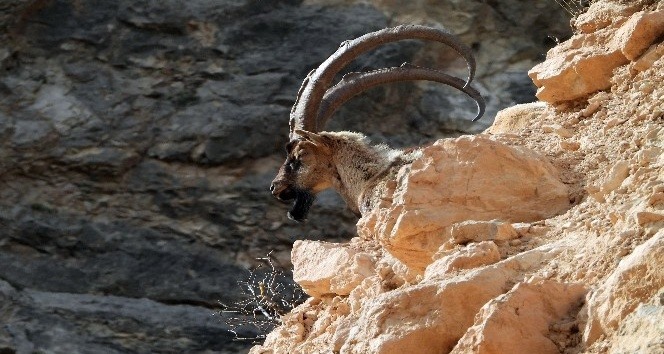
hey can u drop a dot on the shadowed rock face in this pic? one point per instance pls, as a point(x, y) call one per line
point(138, 140)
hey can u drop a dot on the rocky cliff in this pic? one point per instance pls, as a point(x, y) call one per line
point(543, 234)
point(138, 140)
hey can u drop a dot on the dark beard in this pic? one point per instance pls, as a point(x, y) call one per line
point(303, 202)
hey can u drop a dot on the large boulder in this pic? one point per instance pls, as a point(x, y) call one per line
point(455, 180)
point(520, 322)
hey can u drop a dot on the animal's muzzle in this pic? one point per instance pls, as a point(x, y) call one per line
point(283, 193)
point(287, 193)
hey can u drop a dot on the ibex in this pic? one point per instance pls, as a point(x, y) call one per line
point(347, 161)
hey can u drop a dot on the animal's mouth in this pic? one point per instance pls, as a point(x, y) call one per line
point(302, 202)
point(286, 195)
point(300, 209)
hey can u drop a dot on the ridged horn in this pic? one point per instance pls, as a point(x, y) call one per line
point(355, 83)
point(305, 110)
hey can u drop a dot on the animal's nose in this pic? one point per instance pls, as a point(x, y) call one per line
point(282, 191)
point(276, 188)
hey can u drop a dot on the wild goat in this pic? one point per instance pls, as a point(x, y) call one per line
point(347, 161)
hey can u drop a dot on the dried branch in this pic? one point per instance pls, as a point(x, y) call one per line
point(269, 294)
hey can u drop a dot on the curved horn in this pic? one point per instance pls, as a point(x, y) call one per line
point(353, 84)
point(304, 112)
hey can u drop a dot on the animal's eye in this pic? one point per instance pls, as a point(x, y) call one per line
point(294, 164)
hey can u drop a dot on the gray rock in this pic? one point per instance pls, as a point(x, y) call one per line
point(81, 323)
point(106, 160)
point(30, 132)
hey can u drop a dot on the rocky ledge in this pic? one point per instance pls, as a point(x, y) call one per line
point(544, 234)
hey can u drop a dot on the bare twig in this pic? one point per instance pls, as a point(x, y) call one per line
point(573, 7)
point(268, 295)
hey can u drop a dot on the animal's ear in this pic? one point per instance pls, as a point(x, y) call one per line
point(316, 139)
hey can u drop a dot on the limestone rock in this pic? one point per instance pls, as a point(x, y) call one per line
point(330, 268)
point(584, 63)
point(519, 321)
point(472, 256)
point(641, 331)
point(583, 71)
point(637, 278)
point(446, 287)
point(472, 178)
point(615, 176)
point(647, 60)
point(478, 231)
point(401, 321)
point(601, 15)
point(639, 32)
point(393, 273)
point(512, 119)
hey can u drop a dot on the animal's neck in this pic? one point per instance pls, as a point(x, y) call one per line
point(357, 165)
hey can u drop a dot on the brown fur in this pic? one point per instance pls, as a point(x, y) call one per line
point(345, 161)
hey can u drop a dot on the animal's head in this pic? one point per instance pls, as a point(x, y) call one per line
point(308, 169)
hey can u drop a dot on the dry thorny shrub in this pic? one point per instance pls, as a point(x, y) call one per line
point(574, 7)
point(268, 294)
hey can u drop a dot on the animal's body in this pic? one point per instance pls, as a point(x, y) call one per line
point(347, 161)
